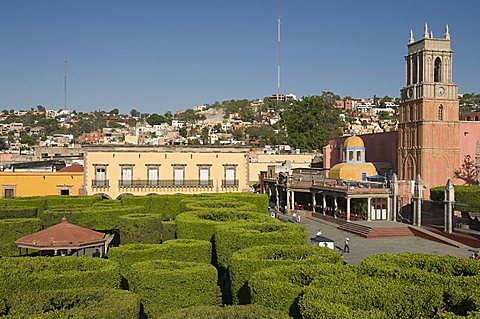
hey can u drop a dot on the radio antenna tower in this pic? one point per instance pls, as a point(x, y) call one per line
point(65, 83)
point(279, 24)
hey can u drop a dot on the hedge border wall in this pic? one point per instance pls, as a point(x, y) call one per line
point(228, 312)
point(13, 229)
point(140, 228)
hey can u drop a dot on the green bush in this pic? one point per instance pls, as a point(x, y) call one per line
point(100, 218)
point(106, 203)
point(18, 212)
point(234, 236)
point(48, 273)
point(468, 196)
point(169, 230)
point(201, 225)
point(37, 202)
point(177, 250)
point(228, 312)
point(168, 206)
point(164, 286)
point(71, 201)
point(374, 297)
point(246, 262)
point(223, 205)
point(13, 229)
point(135, 201)
point(280, 287)
point(140, 228)
point(259, 200)
point(85, 303)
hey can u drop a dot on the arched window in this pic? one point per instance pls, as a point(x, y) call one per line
point(476, 118)
point(437, 70)
point(415, 69)
point(409, 168)
point(468, 118)
point(440, 112)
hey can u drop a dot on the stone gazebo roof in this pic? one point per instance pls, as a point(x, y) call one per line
point(62, 236)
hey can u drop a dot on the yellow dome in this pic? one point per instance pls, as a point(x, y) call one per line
point(353, 141)
point(352, 171)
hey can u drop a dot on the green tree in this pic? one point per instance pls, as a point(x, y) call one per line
point(114, 112)
point(312, 121)
point(155, 119)
point(134, 113)
point(41, 108)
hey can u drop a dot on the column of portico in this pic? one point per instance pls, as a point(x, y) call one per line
point(324, 198)
point(348, 208)
point(314, 201)
point(335, 205)
point(369, 208)
point(389, 206)
point(293, 200)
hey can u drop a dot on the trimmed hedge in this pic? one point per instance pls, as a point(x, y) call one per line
point(41, 273)
point(280, 287)
point(134, 200)
point(464, 195)
point(164, 286)
point(177, 250)
point(228, 312)
point(223, 205)
point(106, 203)
point(373, 297)
point(245, 262)
point(202, 225)
point(259, 200)
point(71, 201)
point(86, 303)
point(169, 230)
point(13, 229)
point(18, 212)
point(98, 218)
point(37, 202)
point(140, 228)
point(235, 236)
point(168, 206)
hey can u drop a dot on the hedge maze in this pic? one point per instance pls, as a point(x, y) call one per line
point(214, 256)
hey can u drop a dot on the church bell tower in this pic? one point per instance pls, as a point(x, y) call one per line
point(428, 132)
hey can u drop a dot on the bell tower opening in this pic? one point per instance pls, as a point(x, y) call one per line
point(437, 70)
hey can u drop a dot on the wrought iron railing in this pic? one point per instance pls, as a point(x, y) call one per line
point(100, 183)
point(229, 182)
point(163, 183)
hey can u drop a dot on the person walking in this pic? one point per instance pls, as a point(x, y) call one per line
point(346, 247)
point(319, 233)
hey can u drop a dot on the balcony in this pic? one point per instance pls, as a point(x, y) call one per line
point(164, 184)
point(230, 183)
point(100, 183)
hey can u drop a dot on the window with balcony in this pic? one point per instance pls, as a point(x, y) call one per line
point(152, 175)
point(204, 175)
point(230, 175)
point(127, 176)
point(178, 175)
point(100, 176)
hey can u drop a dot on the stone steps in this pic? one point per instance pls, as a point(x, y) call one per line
point(357, 229)
point(379, 232)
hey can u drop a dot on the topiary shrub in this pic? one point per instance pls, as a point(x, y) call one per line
point(280, 287)
point(168, 206)
point(18, 212)
point(178, 250)
point(164, 286)
point(22, 274)
point(228, 312)
point(245, 262)
point(135, 201)
point(86, 303)
point(37, 202)
point(221, 205)
point(259, 200)
point(202, 224)
point(230, 238)
point(107, 203)
point(71, 201)
point(13, 229)
point(169, 230)
point(140, 228)
point(99, 218)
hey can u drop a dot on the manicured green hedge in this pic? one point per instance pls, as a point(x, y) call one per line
point(201, 225)
point(279, 287)
point(222, 205)
point(106, 203)
point(259, 200)
point(168, 206)
point(164, 286)
point(38, 202)
point(232, 237)
point(48, 273)
point(100, 218)
point(464, 195)
point(18, 212)
point(13, 229)
point(85, 303)
point(71, 201)
point(246, 262)
point(178, 250)
point(135, 200)
point(228, 312)
point(169, 230)
point(140, 228)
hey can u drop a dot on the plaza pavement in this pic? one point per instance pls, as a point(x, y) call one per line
point(360, 247)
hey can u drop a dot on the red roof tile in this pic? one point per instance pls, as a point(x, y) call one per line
point(72, 169)
point(62, 236)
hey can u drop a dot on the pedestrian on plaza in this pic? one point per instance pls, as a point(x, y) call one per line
point(346, 247)
point(298, 218)
point(294, 216)
point(319, 233)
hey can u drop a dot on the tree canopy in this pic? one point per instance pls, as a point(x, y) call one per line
point(312, 121)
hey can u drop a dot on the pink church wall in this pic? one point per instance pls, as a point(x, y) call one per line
point(469, 136)
point(379, 147)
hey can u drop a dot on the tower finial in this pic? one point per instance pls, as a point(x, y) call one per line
point(447, 33)
point(431, 34)
point(411, 39)
point(425, 31)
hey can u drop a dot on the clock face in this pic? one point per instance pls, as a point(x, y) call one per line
point(441, 91)
point(410, 93)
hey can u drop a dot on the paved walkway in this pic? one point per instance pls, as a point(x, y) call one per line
point(360, 247)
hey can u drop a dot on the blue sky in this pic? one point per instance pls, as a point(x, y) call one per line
point(165, 55)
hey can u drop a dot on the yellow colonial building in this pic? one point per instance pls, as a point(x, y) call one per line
point(24, 184)
point(354, 166)
point(114, 171)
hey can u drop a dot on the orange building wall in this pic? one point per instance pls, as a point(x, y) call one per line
point(42, 184)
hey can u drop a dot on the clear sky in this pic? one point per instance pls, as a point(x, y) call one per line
point(165, 55)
